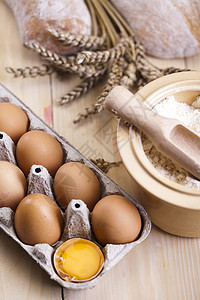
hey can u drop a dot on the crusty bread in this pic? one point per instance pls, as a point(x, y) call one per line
point(168, 29)
point(35, 16)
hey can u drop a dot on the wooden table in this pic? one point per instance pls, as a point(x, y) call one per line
point(162, 267)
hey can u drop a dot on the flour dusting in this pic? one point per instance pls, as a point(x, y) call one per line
point(190, 116)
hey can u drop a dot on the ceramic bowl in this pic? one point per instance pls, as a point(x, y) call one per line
point(171, 206)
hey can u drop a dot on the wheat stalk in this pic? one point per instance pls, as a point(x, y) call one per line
point(92, 57)
point(129, 77)
point(31, 71)
point(114, 78)
point(171, 70)
point(81, 89)
point(77, 92)
point(104, 165)
point(63, 63)
point(88, 42)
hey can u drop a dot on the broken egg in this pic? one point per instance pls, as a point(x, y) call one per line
point(78, 260)
point(38, 219)
point(115, 220)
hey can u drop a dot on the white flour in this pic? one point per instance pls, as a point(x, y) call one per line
point(190, 116)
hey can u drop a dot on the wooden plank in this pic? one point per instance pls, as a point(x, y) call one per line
point(20, 276)
point(35, 92)
point(193, 62)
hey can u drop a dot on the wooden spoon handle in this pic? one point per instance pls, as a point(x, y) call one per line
point(131, 109)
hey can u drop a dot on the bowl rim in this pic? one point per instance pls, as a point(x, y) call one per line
point(133, 156)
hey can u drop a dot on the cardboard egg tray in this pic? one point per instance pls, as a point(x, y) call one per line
point(76, 217)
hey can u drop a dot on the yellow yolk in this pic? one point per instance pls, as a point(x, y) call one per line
point(81, 260)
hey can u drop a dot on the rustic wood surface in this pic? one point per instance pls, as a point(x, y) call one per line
point(162, 267)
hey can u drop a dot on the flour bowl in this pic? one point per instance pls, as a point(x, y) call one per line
point(173, 207)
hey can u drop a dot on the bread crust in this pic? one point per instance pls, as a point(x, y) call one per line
point(34, 17)
point(167, 28)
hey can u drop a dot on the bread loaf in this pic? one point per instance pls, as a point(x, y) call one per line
point(168, 29)
point(34, 17)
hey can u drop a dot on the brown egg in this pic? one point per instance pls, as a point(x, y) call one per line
point(38, 219)
point(39, 148)
point(13, 120)
point(74, 180)
point(115, 220)
point(13, 185)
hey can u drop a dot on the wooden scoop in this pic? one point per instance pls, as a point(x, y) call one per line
point(169, 136)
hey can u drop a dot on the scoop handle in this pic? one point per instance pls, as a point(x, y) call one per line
point(131, 109)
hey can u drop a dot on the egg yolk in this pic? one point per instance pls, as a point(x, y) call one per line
point(80, 261)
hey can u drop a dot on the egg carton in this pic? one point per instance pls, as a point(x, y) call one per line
point(77, 215)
